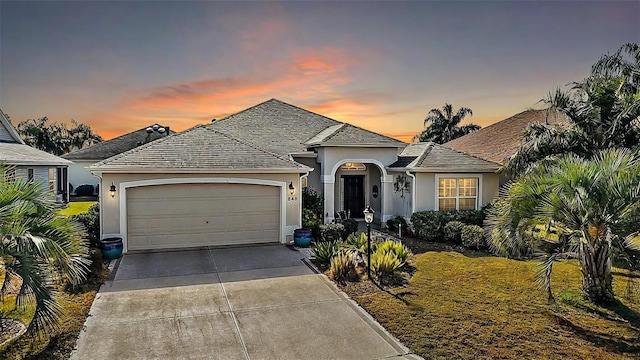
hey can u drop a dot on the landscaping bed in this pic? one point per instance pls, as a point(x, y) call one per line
point(464, 304)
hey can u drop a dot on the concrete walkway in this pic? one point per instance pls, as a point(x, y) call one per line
point(258, 302)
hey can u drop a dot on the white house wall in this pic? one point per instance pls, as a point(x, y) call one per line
point(110, 207)
point(313, 180)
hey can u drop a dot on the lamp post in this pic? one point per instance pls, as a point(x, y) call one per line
point(368, 218)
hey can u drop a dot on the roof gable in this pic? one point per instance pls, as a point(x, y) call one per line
point(118, 145)
point(497, 142)
point(283, 129)
point(8, 133)
point(432, 157)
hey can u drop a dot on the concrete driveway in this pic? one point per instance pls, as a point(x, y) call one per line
point(258, 302)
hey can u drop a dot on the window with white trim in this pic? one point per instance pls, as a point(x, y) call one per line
point(457, 193)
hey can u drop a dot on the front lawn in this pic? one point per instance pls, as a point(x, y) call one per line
point(476, 306)
point(75, 208)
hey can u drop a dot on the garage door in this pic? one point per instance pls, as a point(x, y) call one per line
point(190, 215)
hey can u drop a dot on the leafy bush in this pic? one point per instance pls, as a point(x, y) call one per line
point(397, 248)
point(85, 190)
point(312, 201)
point(331, 232)
point(472, 236)
point(392, 224)
point(311, 220)
point(91, 222)
point(384, 263)
point(324, 251)
point(429, 225)
point(343, 267)
point(452, 232)
point(350, 227)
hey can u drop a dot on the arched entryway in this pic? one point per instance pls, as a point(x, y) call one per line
point(356, 184)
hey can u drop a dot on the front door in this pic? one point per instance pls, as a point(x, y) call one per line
point(354, 194)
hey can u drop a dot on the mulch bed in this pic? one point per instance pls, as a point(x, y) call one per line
point(10, 329)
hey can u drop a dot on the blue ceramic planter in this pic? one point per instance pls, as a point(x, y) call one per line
point(302, 237)
point(111, 248)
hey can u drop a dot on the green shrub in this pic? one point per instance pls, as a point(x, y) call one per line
point(85, 190)
point(472, 236)
point(452, 232)
point(331, 232)
point(397, 248)
point(385, 263)
point(343, 267)
point(429, 225)
point(393, 223)
point(91, 222)
point(324, 251)
point(350, 227)
point(312, 201)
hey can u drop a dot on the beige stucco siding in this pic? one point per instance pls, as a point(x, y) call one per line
point(313, 180)
point(110, 207)
point(427, 187)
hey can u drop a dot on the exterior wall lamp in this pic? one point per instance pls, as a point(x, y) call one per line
point(292, 189)
point(368, 218)
point(112, 189)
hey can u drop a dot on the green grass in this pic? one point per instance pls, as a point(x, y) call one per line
point(461, 306)
point(75, 208)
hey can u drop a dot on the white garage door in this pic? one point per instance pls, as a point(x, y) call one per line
point(190, 215)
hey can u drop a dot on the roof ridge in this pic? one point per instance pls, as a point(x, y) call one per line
point(424, 154)
point(146, 145)
point(251, 145)
point(375, 133)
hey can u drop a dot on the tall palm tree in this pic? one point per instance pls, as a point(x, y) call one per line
point(38, 247)
point(603, 112)
point(594, 204)
point(443, 126)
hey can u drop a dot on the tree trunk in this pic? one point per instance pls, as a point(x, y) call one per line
point(596, 269)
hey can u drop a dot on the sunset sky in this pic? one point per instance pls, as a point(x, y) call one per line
point(120, 66)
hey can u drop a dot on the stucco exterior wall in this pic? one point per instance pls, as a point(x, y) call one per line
point(427, 187)
point(79, 175)
point(110, 207)
point(313, 180)
point(402, 205)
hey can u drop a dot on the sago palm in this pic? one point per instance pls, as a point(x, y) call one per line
point(443, 126)
point(39, 248)
point(593, 204)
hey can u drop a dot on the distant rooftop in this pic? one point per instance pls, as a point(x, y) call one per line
point(120, 144)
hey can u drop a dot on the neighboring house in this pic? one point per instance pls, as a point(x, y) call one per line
point(497, 142)
point(30, 163)
point(238, 180)
point(82, 158)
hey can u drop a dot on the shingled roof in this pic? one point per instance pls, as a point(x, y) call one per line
point(199, 149)
point(115, 146)
point(432, 157)
point(497, 142)
point(283, 129)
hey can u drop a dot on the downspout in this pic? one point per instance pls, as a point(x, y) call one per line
point(100, 192)
point(300, 192)
point(413, 192)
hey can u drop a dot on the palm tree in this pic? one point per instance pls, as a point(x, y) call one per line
point(38, 247)
point(603, 112)
point(443, 126)
point(594, 205)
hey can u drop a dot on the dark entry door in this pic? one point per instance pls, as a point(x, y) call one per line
point(354, 195)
